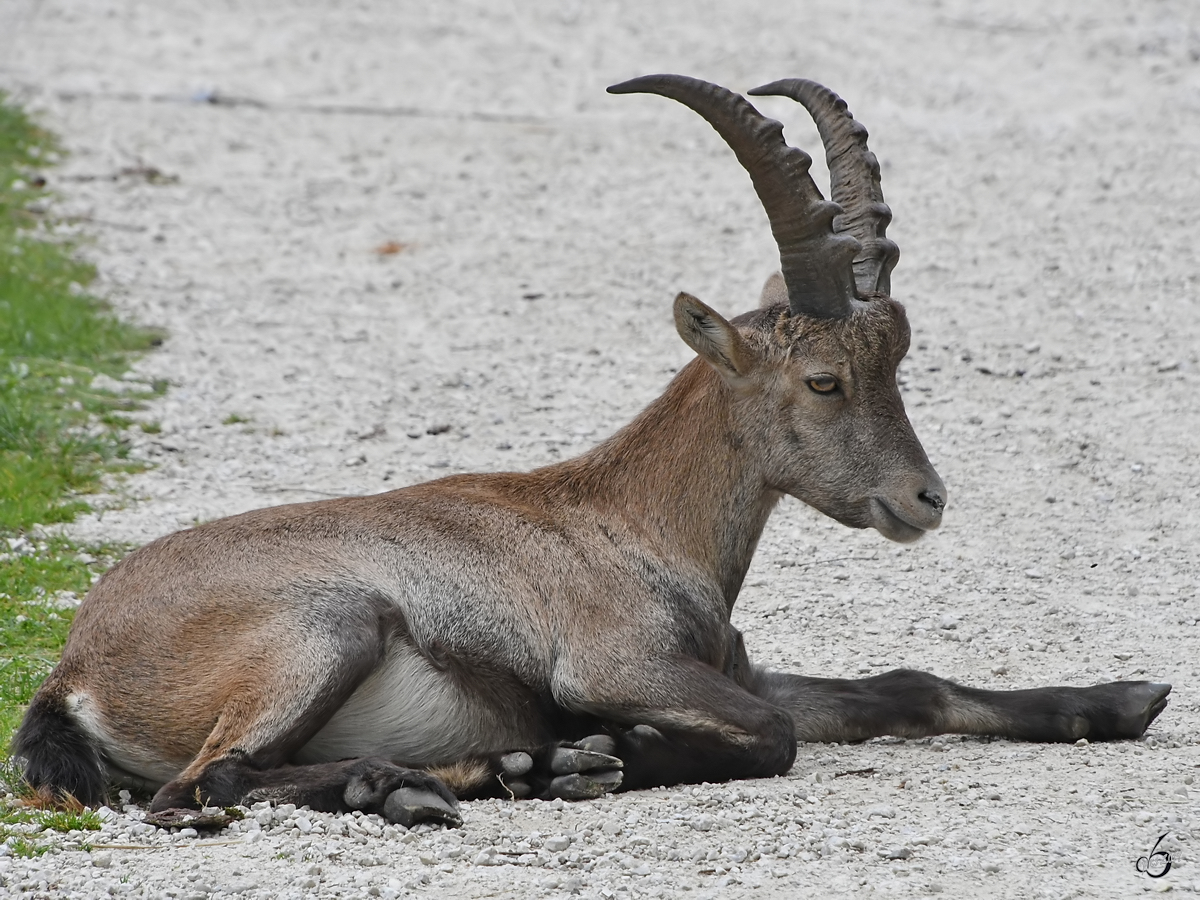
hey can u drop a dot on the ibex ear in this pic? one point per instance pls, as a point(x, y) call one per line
point(709, 334)
point(774, 292)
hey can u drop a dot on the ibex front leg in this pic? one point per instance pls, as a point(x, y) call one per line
point(914, 704)
point(685, 722)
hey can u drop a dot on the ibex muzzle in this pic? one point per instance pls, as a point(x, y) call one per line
point(563, 632)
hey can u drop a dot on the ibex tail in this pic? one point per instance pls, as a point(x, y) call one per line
point(60, 759)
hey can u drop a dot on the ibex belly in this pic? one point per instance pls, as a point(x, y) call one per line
point(413, 712)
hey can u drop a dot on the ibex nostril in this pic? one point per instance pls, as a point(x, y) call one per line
point(933, 499)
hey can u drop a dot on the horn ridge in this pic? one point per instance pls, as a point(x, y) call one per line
point(854, 179)
point(816, 261)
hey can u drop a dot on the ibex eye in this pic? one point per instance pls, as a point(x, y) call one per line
point(823, 384)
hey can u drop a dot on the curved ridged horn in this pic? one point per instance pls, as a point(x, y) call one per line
point(816, 261)
point(853, 179)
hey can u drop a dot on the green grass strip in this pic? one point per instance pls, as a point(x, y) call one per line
point(58, 435)
point(20, 827)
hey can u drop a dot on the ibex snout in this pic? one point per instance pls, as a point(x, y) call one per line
point(911, 510)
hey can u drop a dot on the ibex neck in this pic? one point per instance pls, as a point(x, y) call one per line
point(681, 476)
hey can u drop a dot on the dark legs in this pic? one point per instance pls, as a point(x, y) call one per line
point(667, 721)
point(913, 704)
point(373, 785)
point(744, 723)
point(571, 770)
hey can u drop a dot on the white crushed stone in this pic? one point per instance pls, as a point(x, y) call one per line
point(1042, 161)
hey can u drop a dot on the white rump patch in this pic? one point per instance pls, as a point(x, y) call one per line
point(124, 760)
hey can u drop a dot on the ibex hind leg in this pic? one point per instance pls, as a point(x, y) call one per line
point(274, 713)
point(913, 704)
point(372, 784)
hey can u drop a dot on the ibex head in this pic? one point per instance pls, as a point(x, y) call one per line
point(814, 368)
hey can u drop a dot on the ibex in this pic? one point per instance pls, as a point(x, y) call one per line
point(563, 632)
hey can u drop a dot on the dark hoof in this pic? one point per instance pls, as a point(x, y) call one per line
point(567, 760)
point(1122, 709)
point(580, 770)
point(584, 769)
point(514, 765)
point(585, 786)
point(599, 743)
point(518, 789)
point(1141, 706)
point(407, 806)
point(379, 786)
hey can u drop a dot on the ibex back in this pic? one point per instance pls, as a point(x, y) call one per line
point(563, 632)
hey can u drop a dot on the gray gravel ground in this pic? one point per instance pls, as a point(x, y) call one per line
point(1043, 161)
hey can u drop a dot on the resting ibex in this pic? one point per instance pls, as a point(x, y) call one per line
point(564, 632)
